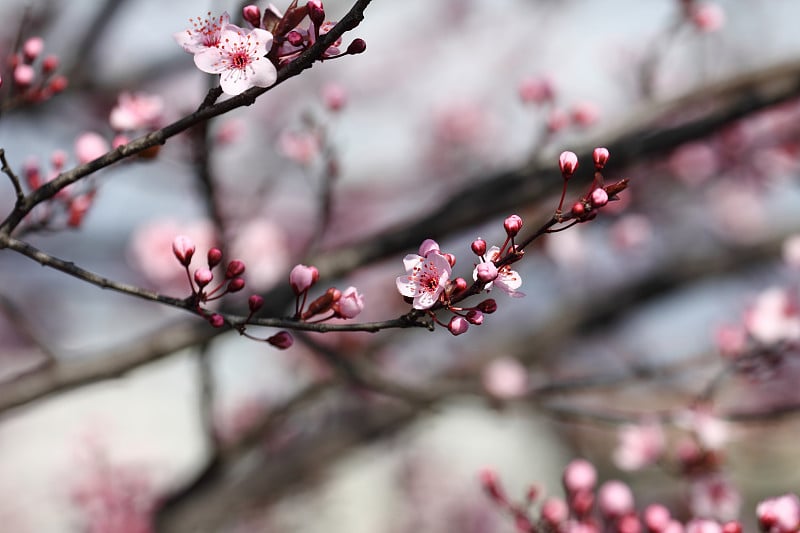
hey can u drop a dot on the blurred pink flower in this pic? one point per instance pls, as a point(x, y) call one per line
point(773, 317)
point(714, 496)
point(631, 232)
point(89, 146)
point(779, 515)
point(239, 59)
point(639, 445)
point(150, 249)
point(136, 111)
point(263, 246)
point(536, 90)
point(711, 431)
point(694, 163)
point(204, 33)
point(300, 147)
point(708, 17)
point(505, 378)
point(585, 114)
point(791, 251)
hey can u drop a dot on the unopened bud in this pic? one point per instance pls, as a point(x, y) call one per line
point(281, 340)
point(491, 484)
point(599, 197)
point(24, 75)
point(358, 46)
point(302, 277)
point(487, 306)
point(486, 272)
point(478, 247)
point(324, 303)
point(216, 320)
point(294, 38)
point(458, 325)
point(255, 302)
point(214, 257)
point(252, 14)
point(32, 48)
point(235, 269)
point(183, 248)
point(600, 156)
point(459, 285)
point(568, 163)
point(235, 285)
point(475, 317)
point(316, 12)
point(512, 225)
point(49, 64)
point(578, 209)
point(450, 259)
point(203, 276)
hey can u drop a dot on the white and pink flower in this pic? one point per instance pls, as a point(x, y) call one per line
point(240, 59)
point(507, 280)
point(426, 276)
point(204, 33)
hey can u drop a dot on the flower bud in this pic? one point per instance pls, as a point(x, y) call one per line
point(568, 163)
point(32, 48)
point(235, 285)
point(49, 64)
point(58, 84)
point(475, 317)
point(235, 269)
point(459, 285)
point(458, 325)
point(491, 485)
point(316, 12)
point(478, 247)
point(294, 38)
point(324, 303)
point(334, 96)
point(302, 277)
point(615, 499)
point(255, 302)
point(428, 246)
point(512, 225)
point(183, 248)
point(216, 320)
point(600, 156)
point(203, 276)
point(24, 75)
point(554, 512)
point(578, 209)
point(214, 257)
point(732, 527)
point(599, 197)
point(350, 304)
point(252, 15)
point(281, 340)
point(487, 306)
point(450, 259)
point(579, 476)
point(358, 46)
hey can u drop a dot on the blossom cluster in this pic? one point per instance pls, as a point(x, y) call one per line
point(33, 74)
point(247, 57)
point(611, 507)
point(334, 303)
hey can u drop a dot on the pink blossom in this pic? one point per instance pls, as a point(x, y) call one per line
point(599, 197)
point(585, 114)
point(773, 317)
point(715, 496)
point(300, 147)
point(24, 75)
point(694, 163)
point(568, 163)
point(428, 246)
point(263, 246)
point(204, 33)
point(89, 146)
point(779, 515)
point(240, 59)
point(184, 249)
point(486, 272)
point(507, 280)
point(615, 498)
point(708, 17)
point(505, 377)
point(350, 304)
point(639, 445)
point(32, 48)
point(425, 278)
point(600, 156)
point(579, 475)
point(458, 325)
point(711, 431)
point(656, 517)
point(334, 96)
point(702, 525)
point(136, 111)
point(554, 511)
point(536, 90)
point(791, 252)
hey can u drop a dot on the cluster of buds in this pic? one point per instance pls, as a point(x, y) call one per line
point(598, 195)
point(291, 37)
point(200, 281)
point(33, 74)
point(333, 303)
point(611, 508)
point(71, 203)
point(540, 91)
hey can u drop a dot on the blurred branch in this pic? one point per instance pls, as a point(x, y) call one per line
point(6, 169)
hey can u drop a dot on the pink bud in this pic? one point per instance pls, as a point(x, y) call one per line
point(486, 272)
point(57, 84)
point(428, 246)
point(554, 512)
point(89, 146)
point(475, 317)
point(294, 38)
point(600, 156)
point(281, 340)
point(628, 523)
point(24, 75)
point(488, 306)
point(350, 304)
point(585, 113)
point(183, 248)
point(235, 285)
point(49, 64)
point(512, 225)
point(358, 46)
point(32, 48)
point(459, 284)
point(536, 90)
point(568, 163)
point(599, 197)
point(781, 514)
point(478, 247)
point(252, 14)
point(450, 259)
point(216, 320)
point(119, 140)
point(656, 517)
point(732, 527)
point(491, 484)
point(578, 209)
point(302, 277)
point(78, 208)
point(203, 276)
point(214, 257)
point(235, 269)
point(557, 120)
point(579, 475)
point(316, 12)
point(708, 17)
point(334, 96)
point(255, 302)
point(58, 159)
point(615, 499)
point(458, 325)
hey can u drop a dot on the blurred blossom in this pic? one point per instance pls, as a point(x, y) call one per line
point(714, 496)
point(505, 378)
point(738, 212)
point(730, 340)
point(585, 113)
point(461, 124)
point(631, 231)
point(791, 252)
point(773, 317)
point(137, 111)
point(694, 162)
point(708, 17)
point(639, 445)
point(150, 249)
point(301, 147)
point(711, 431)
point(89, 146)
point(263, 246)
point(568, 249)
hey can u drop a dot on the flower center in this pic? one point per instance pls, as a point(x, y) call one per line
point(239, 60)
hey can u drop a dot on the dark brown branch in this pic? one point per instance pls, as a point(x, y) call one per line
point(6, 169)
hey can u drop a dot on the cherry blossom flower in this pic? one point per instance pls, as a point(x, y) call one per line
point(239, 59)
point(89, 146)
point(425, 278)
point(505, 378)
point(773, 317)
point(779, 515)
point(350, 304)
point(715, 496)
point(300, 147)
point(507, 280)
point(204, 34)
point(639, 445)
point(136, 111)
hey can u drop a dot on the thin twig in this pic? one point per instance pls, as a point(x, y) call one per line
point(15, 182)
